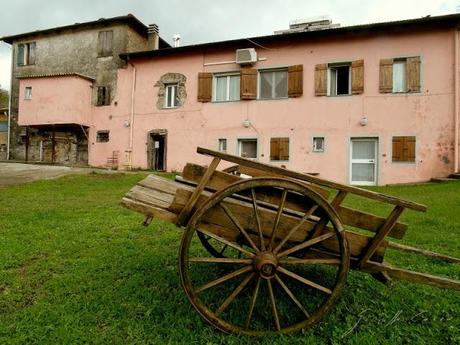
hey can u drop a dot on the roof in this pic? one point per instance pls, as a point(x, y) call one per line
point(55, 75)
point(129, 19)
point(393, 26)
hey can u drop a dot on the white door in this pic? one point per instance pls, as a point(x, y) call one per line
point(363, 164)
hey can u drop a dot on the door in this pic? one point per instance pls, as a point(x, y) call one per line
point(157, 154)
point(363, 164)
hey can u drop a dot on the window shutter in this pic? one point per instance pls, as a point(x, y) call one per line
point(204, 87)
point(284, 149)
point(398, 149)
point(295, 81)
point(274, 149)
point(321, 80)
point(20, 57)
point(386, 76)
point(413, 74)
point(409, 149)
point(107, 96)
point(32, 47)
point(100, 95)
point(248, 83)
point(357, 77)
point(108, 43)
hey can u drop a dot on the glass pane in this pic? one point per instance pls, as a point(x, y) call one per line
point(399, 76)
point(281, 84)
point(223, 145)
point(169, 96)
point(318, 144)
point(362, 172)
point(221, 88)
point(248, 148)
point(266, 84)
point(234, 88)
point(176, 96)
point(363, 150)
point(333, 82)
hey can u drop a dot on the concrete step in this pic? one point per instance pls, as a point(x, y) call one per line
point(443, 179)
point(455, 176)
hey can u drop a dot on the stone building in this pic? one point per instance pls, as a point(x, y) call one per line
point(88, 50)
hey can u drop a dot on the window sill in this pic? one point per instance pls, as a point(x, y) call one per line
point(338, 96)
point(104, 56)
point(229, 101)
point(271, 99)
point(171, 108)
point(313, 151)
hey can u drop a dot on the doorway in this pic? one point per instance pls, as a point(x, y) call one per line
point(157, 150)
point(363, 161)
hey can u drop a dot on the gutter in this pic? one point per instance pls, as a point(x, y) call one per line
point(131, 120)
point(456, 117)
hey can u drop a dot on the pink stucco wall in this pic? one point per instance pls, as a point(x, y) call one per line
point(55, 100)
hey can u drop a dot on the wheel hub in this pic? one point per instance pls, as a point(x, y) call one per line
point(265, 263)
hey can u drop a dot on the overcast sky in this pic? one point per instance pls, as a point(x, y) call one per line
point(204, 20)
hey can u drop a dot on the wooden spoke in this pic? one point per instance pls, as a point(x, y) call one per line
point(306, 244)
point(277, 218)
point(253, 303)
point(221, 260)
point(224, 278)
point(235, 293)
point(228, 243)
point(274, 310)
point(291, 295)
point(294, 229)
point(309, 262)
point(256, 215)
point(304, 280)
point(239, 227)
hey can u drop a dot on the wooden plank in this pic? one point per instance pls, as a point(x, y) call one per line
point(427, 253)
point(380, 236)
point(312, 179)
point(184, 214)
point(149, 210)
point(150, 196)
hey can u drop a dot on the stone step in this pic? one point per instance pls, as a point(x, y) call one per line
point(455, 176)
point(443, 179)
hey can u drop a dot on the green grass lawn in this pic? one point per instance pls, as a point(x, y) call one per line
point(76, 267)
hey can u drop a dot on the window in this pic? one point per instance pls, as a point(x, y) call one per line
point(102, 136)
point(404, 149)
point(103, 95)
point(399, 76)
point(171, 99)
point(318, 144)
point(28, 92)
point(26, 54)
point(223, 145)
point(226, 87)
point(105, 42)
point(273, 84)
point(247, 148)
point(339, 79)
point(279, 149)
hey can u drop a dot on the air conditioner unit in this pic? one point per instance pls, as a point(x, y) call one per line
point(246, 56)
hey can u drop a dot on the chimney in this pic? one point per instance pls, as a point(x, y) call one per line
point(153, 37)
point(176, 40)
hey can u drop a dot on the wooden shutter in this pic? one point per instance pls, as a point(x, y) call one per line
point(100, 95)
point(386, 76)
point(404, 149)
point(248, 83)
point(409, 149)
point(413, 74)
point(108, 43)
point(357, 77)
point(204, 87)
point(284, 149)
point(321, 80)
point(397, 149)
point(295, 81)
point(101, 43)
point(20, 56)
point(107, 95)
point(32, 54)
point(274, 149)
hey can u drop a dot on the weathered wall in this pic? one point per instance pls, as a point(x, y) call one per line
point(428, 115)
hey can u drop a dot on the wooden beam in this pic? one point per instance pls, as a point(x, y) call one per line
point(427, 253)
point(312, 179)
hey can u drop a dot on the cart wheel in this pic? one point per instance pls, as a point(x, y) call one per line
point(263, 286)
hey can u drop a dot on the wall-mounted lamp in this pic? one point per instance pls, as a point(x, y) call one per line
point(126, 123)
point(246, 123)
point(363, 121)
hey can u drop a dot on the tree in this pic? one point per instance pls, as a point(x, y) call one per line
point(4, 97)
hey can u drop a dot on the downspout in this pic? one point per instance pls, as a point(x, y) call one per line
point(131, 120)
point(456, 119)
point(10, 96)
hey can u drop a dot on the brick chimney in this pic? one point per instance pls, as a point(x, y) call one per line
point(153, 37)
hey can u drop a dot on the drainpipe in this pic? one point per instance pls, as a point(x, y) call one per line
point(456, 119)
point(131, 121)
point(9, 108)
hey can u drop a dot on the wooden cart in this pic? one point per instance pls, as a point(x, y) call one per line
point(265, 248)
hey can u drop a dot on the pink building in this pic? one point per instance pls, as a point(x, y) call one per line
point(369, 104)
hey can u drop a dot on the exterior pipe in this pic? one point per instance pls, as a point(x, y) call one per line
point(9, 110)
point(131, 121)
point(456, 119)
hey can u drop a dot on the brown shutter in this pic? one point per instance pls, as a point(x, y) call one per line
point(204, 87)
point(398, 149)
point(101, 43)
point(413, 74)
point(321, 80)
point(100, 95)
point(248, 83)
point(284, 149)
point(108, 43)
point(295, 81)
point(357, 77)
point(409, 149)
point(274, 149)
point(32, 55)
point(386, 76)
point(107, 96)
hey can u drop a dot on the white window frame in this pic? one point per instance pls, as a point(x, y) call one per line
point(279, 69)
point(240, 140)
point(28, 93)
point(404, 62)
point(214, 86)
point(329, 81)
point(171, 88)
point(314, 148)
point(222, 140)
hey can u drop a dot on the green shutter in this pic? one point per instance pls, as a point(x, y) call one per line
point(20, 54)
